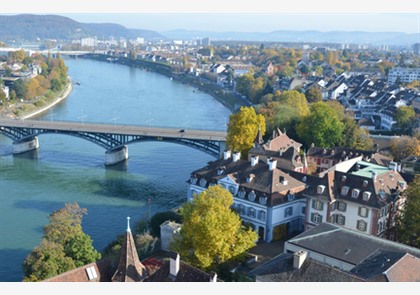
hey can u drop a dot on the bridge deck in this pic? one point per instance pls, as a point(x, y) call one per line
point(116, 129)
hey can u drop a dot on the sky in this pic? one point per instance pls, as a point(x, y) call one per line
point(243, 16)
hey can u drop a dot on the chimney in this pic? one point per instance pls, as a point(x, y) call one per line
point(374, 174)
point(299, 258)
point(393, 166)
point(213, 277)
point(254, 160)
point(281, 152)
point(174, 263)
point(236, 156)
point(226, 154)
point(271, 164)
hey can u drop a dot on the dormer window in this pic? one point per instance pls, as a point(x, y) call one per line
point(290, 196)
point(203, 182)
point(250, 177)
point(402, 184)
point(344, 190)
point(366, 196)
point(355, 193)
point(220, 170)
point(193, 180)
point(263, 200)
point(251, 196)
point(241, 194)
point(365, 183)
point(320, 189)
point(343, 178)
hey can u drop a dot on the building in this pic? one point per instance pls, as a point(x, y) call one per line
point(404, 75)
point(328, 253)
point(348, 250)
point(321, 159)
point(164, 266)
point(357, 195)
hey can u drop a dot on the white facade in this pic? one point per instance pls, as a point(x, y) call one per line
point(406, 75)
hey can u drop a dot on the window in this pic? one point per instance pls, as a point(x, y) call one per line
point(380, 226)
point(334, 206)
point(91, 272)
point(320, 189)
point(232, 189)
point(288, 211)
point(251, 212)
point(203, 182)
point(366, 196)
point(241, 194)
point(304, 210)
point(355, 193)
point(363, 212)
point(263, 200)
point(344, 190)
point(243, 209)
point(317, 205)
point(261, 215)
point(361, 225)
point(251, 196)
point(342, 206)
point(341, 219)
point(315, 217)
point(290, 196)
point(193, 180)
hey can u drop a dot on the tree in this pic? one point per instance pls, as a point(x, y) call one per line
point(313, 94)
point(243, 128)
point(404, 146)
point(212, 233)
point(322, 127)
point(355, 137)
point(406, 119)
point(18, 55)
point(45, 261)
point(64, 245)
point(297, 100)
point(19, 86)
point(408, 220)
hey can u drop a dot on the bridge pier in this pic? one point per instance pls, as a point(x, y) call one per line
point(25, 145)
point(222, 148)
point(116, 155)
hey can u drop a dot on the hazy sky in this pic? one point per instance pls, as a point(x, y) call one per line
point(236, 15)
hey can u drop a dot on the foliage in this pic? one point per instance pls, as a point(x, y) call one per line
point(322, 127)
point(145, 244)
point(355, 137)
point(404, 146)
point(18, 55)
point(408, 221)
point(243, 128)
point(313, 94)
point(406, 119)
point(160, 218)
point(45, 261)
point(64, 245)
point(297, 100)
point(212, 233)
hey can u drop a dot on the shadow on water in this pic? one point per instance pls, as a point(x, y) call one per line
point(12, 258)
point(29, 155)
point(121, 166)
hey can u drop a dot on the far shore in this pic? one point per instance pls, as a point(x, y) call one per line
point(63, 95)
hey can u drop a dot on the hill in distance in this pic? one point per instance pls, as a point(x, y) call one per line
point(29, 27)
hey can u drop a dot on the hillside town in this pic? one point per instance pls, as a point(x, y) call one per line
point(330, 210)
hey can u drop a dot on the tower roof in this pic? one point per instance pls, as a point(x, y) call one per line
point(130, 269)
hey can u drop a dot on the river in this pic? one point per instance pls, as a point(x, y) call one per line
point(69, 169)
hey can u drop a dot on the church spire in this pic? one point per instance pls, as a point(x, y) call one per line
point(130, 269)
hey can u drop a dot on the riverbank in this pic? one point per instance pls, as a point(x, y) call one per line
point(32, 113)
point(228, 98)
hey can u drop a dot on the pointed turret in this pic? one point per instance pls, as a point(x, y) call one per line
point(258, 139)
point(130, 269)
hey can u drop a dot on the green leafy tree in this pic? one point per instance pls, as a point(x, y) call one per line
point(243, 128)
point(355, 137)
point(45, 261)
point(64, 239)
point(322, 127)
point(297, 100)
point(19, 86)
point(408, 220)
point(212, 233)
point(313, 95)
point(18, 55)
point(405, 118)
